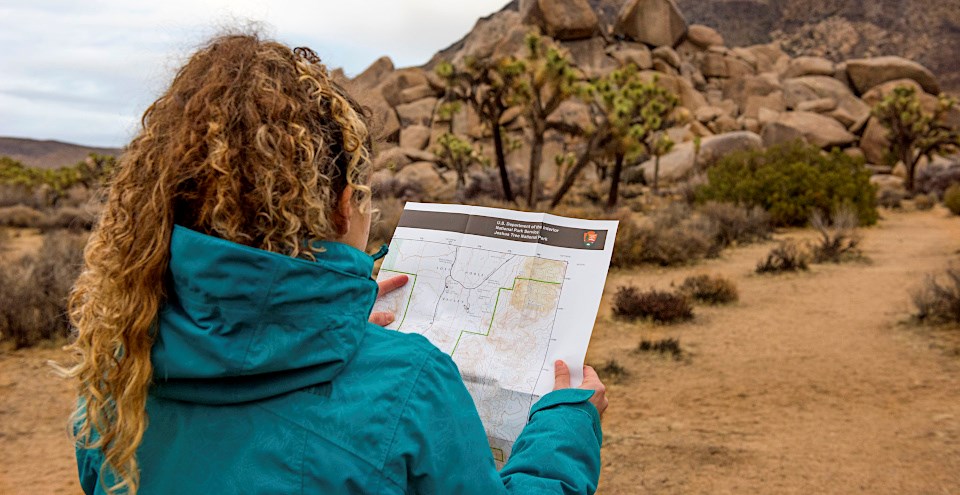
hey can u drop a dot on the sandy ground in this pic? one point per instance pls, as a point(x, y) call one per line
point(812, 383)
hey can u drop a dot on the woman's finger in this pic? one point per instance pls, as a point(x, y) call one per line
point(381, 318)
point(561, 375)
point(391, 284)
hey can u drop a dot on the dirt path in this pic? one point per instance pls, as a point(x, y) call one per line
point(37, 456)
point(808, 385)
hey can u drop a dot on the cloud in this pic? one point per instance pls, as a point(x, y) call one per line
point(84, 71)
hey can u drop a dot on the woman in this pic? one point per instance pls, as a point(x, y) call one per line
point(222, 314)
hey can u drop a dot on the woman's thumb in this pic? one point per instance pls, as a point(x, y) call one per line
point(561, 375)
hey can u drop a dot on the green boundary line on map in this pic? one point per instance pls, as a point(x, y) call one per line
point(495, 304)
point(409, 296)
point(462, 332)
point(501, 457)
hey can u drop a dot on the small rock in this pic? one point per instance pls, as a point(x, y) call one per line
point(668, 55)
point(704, 36)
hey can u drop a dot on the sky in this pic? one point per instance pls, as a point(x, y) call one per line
point(84, 71)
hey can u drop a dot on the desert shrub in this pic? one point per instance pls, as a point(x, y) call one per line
point(33, 291)
point(15, 194)
point(673, 236)
point(951, 199)
point(612, 370)
point(838, 237)
point(737, 224)
point(939, 302)
point(792, 181)
point(71, 218)
point(924, 202)
point(663, 346)
point(891, 199)
point(935, 180)
point(659, 306)
point(710, 289)
point(786, 257)
point(22, 216)
point(627, 247)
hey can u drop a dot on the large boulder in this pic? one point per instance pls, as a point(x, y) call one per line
point(774, 133)
point(397, 158)
point(373, 75)
point(393, 86)
point(415, 93)
point(494, 36)
point(740, 89)
point(683, 160)
point(384, 123)
point(690, 98)
point(769, 56)
point(704, 36)
point(849, 109)
point(869, 72)
point(561, 19)
point(415, 136)
point(875, 143)
point(425, 174)
point(816, 129)
point(590, 55)
point(654, 22)
point(419, 112)
point(572, 114)
point(928, 102)
point(810, 66)
point(773, 101)
point(631, 53)
point(668, 55)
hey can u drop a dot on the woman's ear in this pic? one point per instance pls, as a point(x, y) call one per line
point(344, 211)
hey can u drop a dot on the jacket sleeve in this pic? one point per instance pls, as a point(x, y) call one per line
point(445, 450)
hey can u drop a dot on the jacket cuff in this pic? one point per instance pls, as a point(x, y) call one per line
point(573, 398)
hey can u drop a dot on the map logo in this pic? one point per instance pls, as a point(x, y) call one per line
point(589, 238)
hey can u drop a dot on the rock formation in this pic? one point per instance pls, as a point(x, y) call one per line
point(735, 97)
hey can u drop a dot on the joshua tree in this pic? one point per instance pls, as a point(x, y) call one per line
point(457, 154)
point(489, 87)
point(660, 144)
point(548, 79)
point(915, 133)
point(629, 117)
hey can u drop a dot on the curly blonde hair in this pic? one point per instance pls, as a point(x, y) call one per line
point(254, 143)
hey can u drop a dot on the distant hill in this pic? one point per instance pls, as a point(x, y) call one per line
point(48, 154)
point(927, 31)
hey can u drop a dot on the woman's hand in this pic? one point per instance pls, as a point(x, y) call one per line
point(384, 318)
point(591, 381)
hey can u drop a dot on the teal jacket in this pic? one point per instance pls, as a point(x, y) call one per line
point(269, 379)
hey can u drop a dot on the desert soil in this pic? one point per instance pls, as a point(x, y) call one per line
point(812, 383)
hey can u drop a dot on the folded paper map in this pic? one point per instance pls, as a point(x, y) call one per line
point(505, 294)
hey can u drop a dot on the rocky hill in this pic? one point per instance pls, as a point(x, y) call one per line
point(737, 95)
point(48, 154)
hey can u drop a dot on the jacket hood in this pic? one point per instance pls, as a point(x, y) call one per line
point(242, 324)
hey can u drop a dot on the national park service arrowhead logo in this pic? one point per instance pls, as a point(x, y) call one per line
point(589, 238)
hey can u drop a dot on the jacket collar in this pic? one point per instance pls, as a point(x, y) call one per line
point(243, 324)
